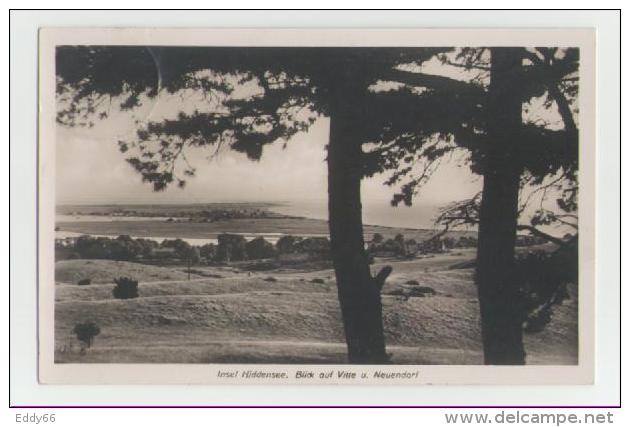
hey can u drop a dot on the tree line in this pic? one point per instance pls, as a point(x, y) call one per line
point(229, 247)
point(235, 247)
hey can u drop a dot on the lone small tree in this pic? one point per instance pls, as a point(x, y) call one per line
point(125, 288)
point(86, 332)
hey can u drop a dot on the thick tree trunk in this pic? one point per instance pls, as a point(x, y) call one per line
point(501, 311)
point(359, 293)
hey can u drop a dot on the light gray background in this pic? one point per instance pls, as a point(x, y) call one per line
point(23, 107)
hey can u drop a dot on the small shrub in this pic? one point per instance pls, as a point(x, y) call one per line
point(421, 291)
point(86, 332)
point(84, 282)
point(270, 279)
point(125, 288)
point(317, 280)
point(412, 282)
point(377, 238)
point(261, 266)
point(407, 291)
point(395, 292)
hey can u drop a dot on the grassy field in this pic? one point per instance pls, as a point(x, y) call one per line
point(104, 271)
point(280, 316)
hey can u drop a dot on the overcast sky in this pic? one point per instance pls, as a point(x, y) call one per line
point(91, 169)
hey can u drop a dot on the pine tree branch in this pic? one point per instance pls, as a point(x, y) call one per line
point(431, 81)
point(536, 232)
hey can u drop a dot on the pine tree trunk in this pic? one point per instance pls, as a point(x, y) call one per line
point(359, 293)
point(501, 312)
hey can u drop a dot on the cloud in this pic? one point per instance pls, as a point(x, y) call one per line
point(90, 169)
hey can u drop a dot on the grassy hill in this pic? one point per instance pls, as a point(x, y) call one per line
point(104, 271)
point(283, 317)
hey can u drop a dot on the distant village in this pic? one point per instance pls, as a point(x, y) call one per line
point(182, 215)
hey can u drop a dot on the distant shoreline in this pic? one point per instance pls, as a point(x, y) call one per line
point(188, 221)
point(178, 210)
point(295, 226)
point(66, 205)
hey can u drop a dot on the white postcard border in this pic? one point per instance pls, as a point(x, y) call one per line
point(51, 373)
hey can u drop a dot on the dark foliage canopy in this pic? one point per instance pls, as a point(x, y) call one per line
point(255, 96)
point(86, 332)
point(409, 119)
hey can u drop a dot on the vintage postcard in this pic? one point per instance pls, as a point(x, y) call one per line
point(316, 206)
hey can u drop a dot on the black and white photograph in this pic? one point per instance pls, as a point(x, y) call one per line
point(315, 203)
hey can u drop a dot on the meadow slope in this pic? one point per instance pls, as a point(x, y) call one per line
point(280, 316)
